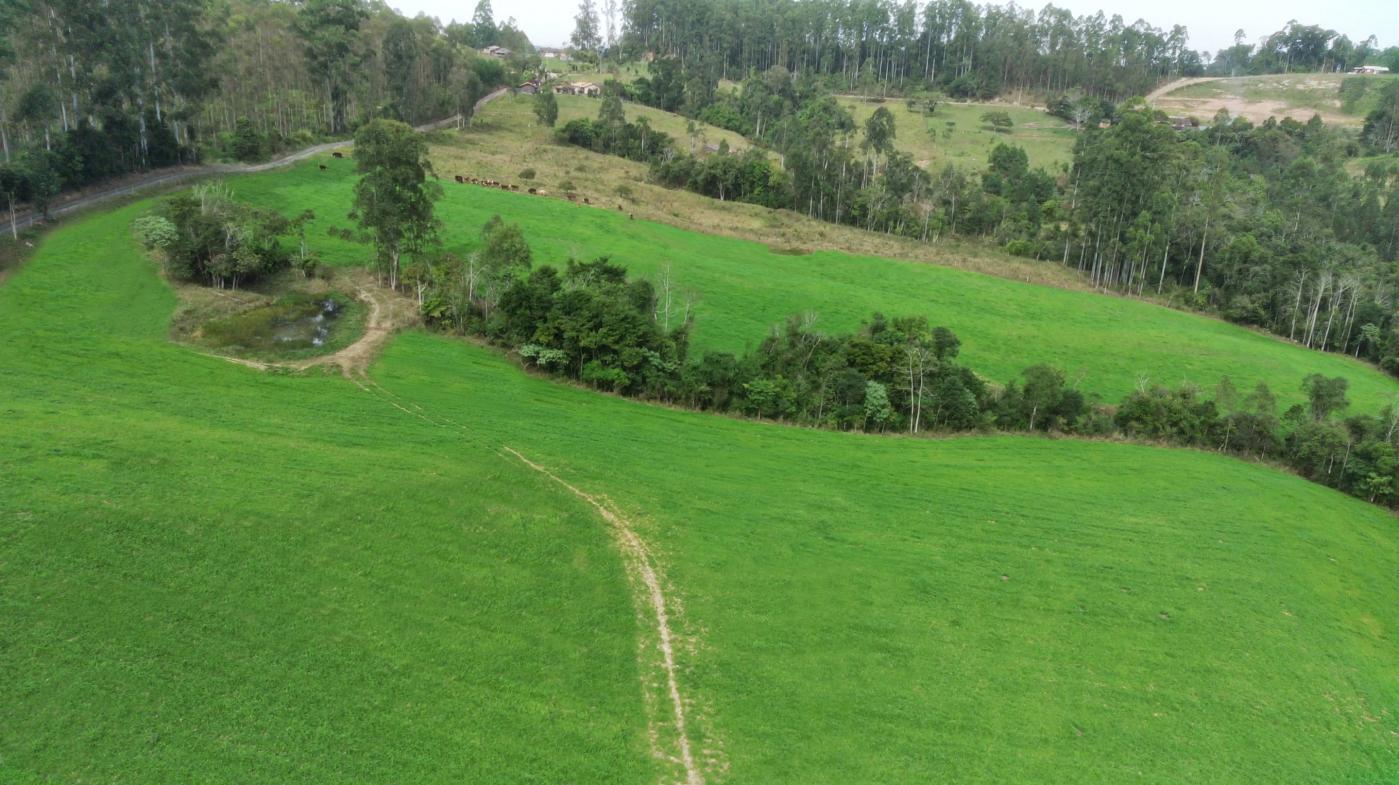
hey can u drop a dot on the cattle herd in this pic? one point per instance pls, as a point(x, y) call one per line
point(488, 183)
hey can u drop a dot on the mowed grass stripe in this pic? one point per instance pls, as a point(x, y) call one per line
point(1109, 344)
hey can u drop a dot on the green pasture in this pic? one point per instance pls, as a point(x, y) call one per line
point(956, 134)
point(743, 289)
point(212, 574)
point(215, 574)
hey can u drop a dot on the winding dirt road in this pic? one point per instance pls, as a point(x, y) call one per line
point(163, 178)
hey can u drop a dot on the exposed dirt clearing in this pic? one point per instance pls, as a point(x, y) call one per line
point(1233, 96)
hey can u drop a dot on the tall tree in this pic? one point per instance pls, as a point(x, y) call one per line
point(394, 195)
point(330, 32)
point(585, 28)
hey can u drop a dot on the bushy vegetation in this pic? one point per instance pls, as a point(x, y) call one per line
point(741, 288)
point(207, 236)
point(589, 323)
point(1260, 224)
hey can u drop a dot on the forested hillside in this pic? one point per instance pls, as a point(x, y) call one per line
point(966, 49)
point(92, 91)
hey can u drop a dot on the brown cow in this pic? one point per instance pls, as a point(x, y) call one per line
point(459, 178)
point(338, 154)
point(585, 200)
point(534, 190)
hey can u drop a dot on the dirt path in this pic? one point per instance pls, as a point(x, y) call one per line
point(1170, 87)
point(642, 568)
point(176, 175)
point(642, 573)
point(388, 313)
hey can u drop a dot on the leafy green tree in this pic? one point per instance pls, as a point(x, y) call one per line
point(14, 187)
point(878, 412)
point(998, 120)
point(483, 25)
point(503, 256)
point(1043, 394)
point(585, 28)
point(546, 107)
point(1325, 396)
point(330, 32)
point(247, 141)
point(394, 195)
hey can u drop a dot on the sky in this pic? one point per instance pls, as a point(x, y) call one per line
point(1211, 22)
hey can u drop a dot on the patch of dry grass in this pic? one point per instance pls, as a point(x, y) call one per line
point(504, 140)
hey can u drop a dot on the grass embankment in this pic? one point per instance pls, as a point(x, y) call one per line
point(956, 134)
point(287, 578)
point(744, 289)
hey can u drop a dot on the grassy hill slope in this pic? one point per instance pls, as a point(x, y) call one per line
point(259, 578)
point(956, 134)
point(745, 289)
point(288, 579)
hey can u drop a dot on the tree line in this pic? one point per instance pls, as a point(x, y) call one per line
point(91, 91)
point(962, 48)
point(1262, 224)
point(591, 323)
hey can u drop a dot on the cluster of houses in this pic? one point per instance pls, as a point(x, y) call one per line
point(590, 89)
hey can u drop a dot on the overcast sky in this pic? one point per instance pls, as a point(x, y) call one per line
point(1211, 22)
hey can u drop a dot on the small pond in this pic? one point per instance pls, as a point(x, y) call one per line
point(294, 324)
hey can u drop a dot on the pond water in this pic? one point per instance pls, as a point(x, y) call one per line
point(308, 330)
point(295, 324)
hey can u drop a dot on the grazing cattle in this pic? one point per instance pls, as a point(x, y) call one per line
point(585, 200)
point(632, 216)
point(322, 167)
point(338, 154)
point(504, 187)
point(619, 208)
point(459, 178)
point(543, 192)
point(572, 197)
point(514, 187)
point(534, 190)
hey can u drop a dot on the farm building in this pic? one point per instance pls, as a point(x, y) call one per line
point(496, 51)
point(529, 88)
point(1371, 69)
point(578, 88)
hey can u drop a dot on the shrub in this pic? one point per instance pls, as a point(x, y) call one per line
point(527, 174)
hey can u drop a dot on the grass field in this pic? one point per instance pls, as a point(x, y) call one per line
point(280, 578)
point(956, 134)
point(744, 289)
point(518, 112)
point(504, 139)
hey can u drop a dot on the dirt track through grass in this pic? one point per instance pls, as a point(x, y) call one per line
point(642, 571)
